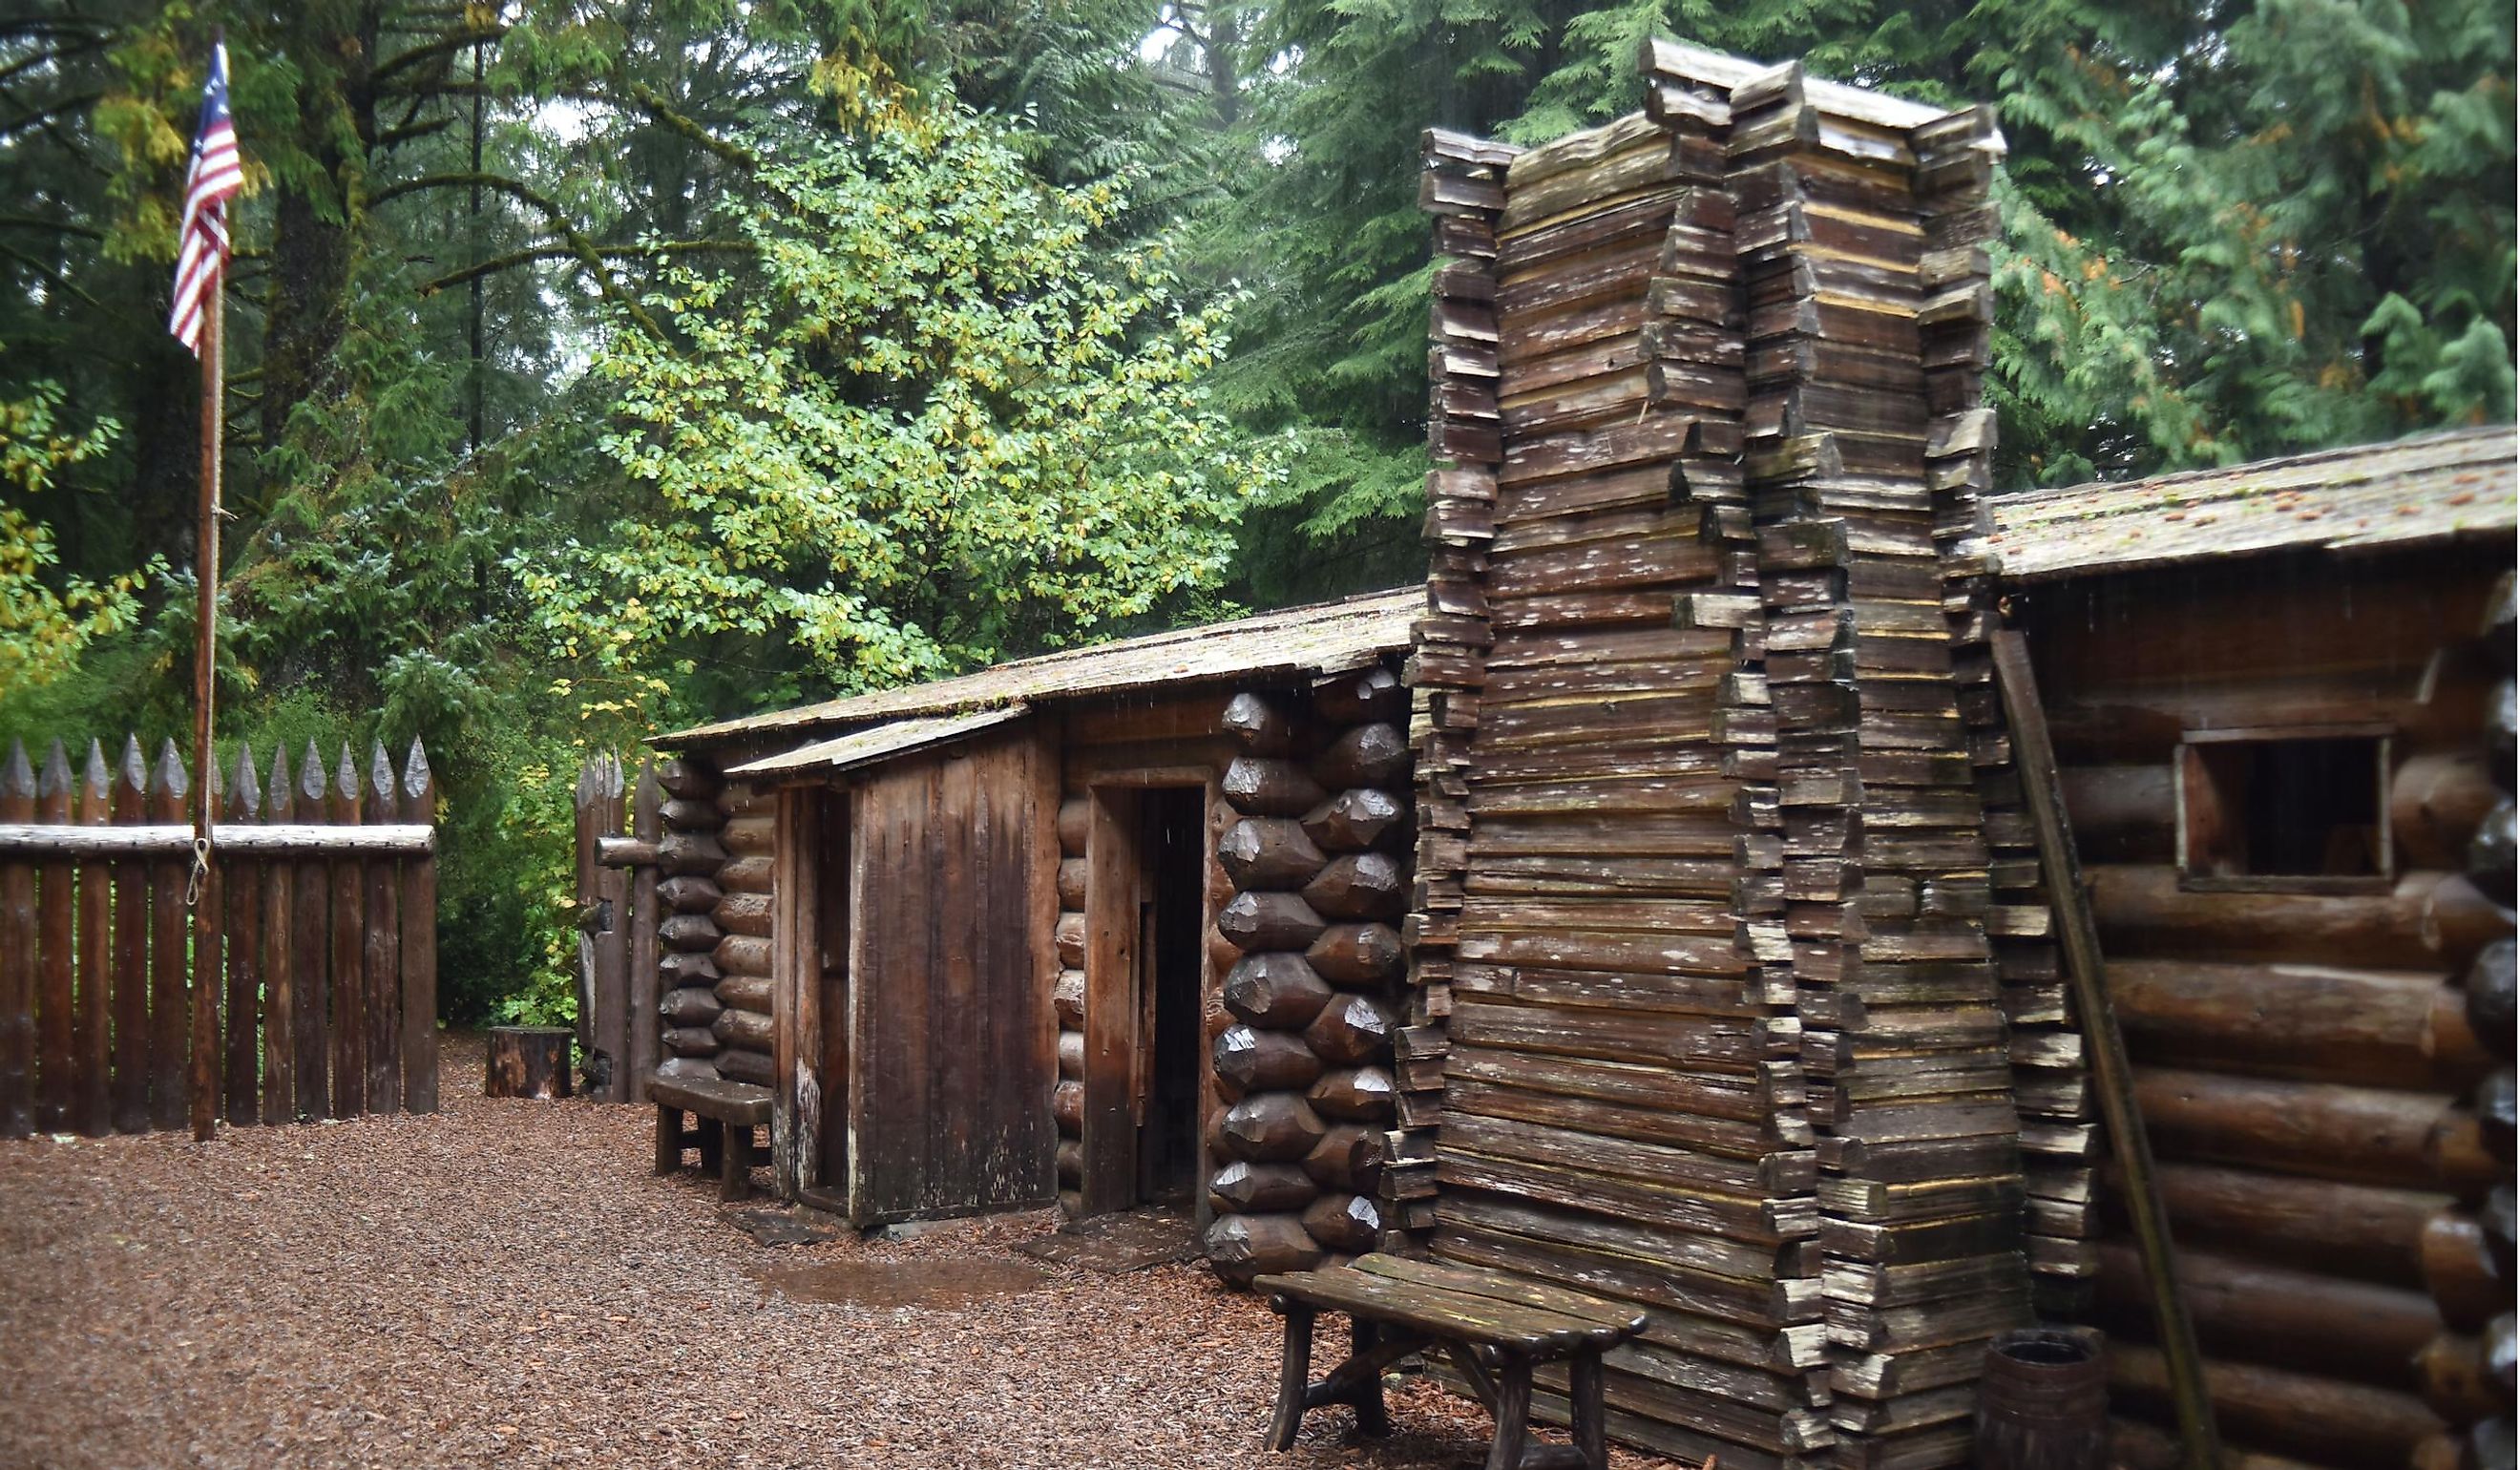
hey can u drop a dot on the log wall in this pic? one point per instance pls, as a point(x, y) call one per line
point(695, 877)
point(741, 918)
point(1312, 852)
point(2326, 1074)
point(1067, 999)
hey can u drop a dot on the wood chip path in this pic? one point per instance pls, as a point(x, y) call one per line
point(505, 1282)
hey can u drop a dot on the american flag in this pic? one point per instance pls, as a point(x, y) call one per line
point(202, 249)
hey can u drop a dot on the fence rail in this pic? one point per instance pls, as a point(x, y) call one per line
point(35, 839)
point(324, 989)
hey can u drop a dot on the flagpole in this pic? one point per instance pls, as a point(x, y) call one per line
point(206, 946)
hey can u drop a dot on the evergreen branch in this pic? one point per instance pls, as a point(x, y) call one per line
point(43, 117)
point(12, 71)
point(395, 137)
point(55, 226)
point(656, 107)
point(444, 46)
point(494, 181)
point(582, 250)
point(50, 274)
point(529, 255)
point(98, 32)
point(639, 96)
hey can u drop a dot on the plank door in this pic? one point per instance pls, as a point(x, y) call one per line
point(951, 1054)
point(1114, 1024)
point(810, 994)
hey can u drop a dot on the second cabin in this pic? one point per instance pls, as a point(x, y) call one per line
point(1063, 928)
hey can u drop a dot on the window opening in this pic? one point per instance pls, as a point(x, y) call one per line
point(2284, 808)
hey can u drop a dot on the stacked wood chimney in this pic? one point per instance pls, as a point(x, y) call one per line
point(1464, 189)
point(1725, 1029)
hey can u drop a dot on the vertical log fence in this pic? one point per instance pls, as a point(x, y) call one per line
point(617, 988)
point(326, 990)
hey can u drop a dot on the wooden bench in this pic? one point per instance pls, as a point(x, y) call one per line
point(1495, 1328)
point(725, 1113)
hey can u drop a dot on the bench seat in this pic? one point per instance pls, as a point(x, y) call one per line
point(725, 1112)
point(741, 1102)
point(1492, 1325)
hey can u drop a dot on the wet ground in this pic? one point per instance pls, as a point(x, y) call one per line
point(505, 1282)
point(895, 1284)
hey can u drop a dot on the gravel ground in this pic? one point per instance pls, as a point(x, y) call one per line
point(505, 1282)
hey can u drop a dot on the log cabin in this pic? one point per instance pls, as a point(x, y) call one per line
point(1649, 902)
point(2281, 699)
point(1108, 927)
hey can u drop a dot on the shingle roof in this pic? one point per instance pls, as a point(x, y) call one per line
point(880, 742)
point(1324, 637)
point(2434, 487)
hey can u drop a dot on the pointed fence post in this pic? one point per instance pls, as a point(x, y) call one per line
point(602, 941)
point(349, 957)
point(58, 961)
point(16, 957)
point(279, 1098)
point(92, 1028)
point(382, 945)
point(584, 809)
point(170, 992)
point(240, 887)
point(418, 944)
point(132, 924)
point(310, 948)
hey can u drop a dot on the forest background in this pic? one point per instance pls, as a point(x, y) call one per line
point(599, 365)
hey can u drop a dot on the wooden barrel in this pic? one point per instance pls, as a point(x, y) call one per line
point(2044, 1401)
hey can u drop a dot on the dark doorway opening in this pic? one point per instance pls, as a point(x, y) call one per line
point(1146, 1052)
point(1173, 853)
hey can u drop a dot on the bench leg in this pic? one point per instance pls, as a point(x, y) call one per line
point(1373, 1418)
point(1474, 1373)
point(713, 1144)
point(735, 1179)
point(1294, 1370)
point(1584, 1395)
point(1513, 1415)
point(669, 1138)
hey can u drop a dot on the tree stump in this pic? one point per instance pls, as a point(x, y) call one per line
point(527, 1061)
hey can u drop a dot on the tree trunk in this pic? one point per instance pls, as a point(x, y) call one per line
point(527, 1061)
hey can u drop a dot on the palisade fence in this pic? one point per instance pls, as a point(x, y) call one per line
point(324, 988)
point(618, 928)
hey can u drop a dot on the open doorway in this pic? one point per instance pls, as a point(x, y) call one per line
point(1146, 861)
point(1173, 852)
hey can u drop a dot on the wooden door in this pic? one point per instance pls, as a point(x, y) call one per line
point(809, 979)
point(951, 965)
point(827, 972)
point(1115, 1002)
